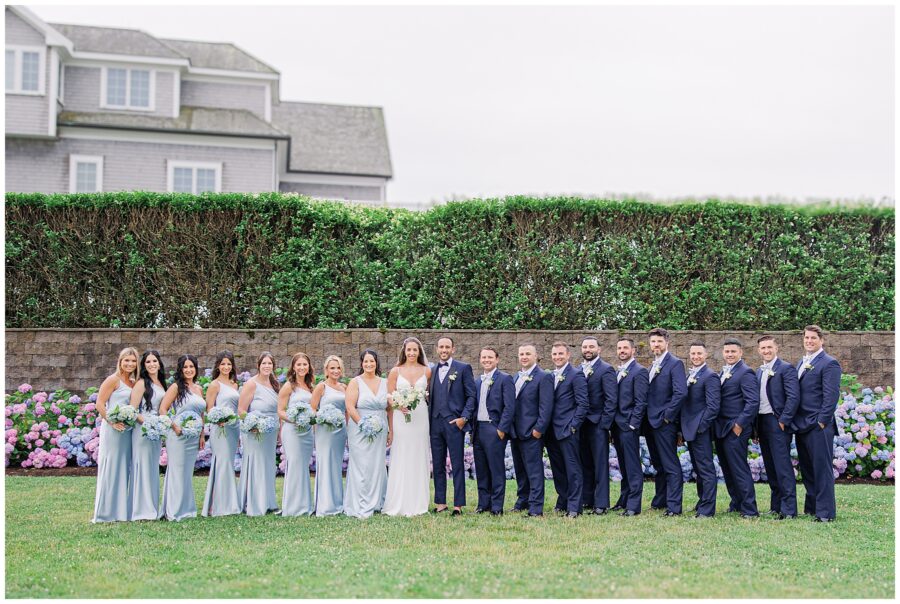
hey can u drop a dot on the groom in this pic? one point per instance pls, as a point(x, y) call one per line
point(452, 407)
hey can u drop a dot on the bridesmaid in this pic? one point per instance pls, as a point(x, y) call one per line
point(221, 490)
point(366, 471)
point(330, 443)
point(185, 396)
point(113, 498)
point(296, 499)
point(256, 489)
point(146, 398)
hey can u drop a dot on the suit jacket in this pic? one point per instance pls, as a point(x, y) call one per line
point(603, 393)
point(632, 399)
point(666, 392)
point(701, 408)
point(500, 402)
point(534, 404)
point(783, 391)
point(820, 389)
point(461, 393)
point(740, 401)
point(570, 402)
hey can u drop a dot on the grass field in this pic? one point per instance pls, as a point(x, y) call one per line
point(52, 550)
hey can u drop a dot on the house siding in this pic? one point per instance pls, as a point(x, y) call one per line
point(28, 115)
point(18, 31)
point(34, 166)
point(345, 192)
point(226, 96)
point(82, 92)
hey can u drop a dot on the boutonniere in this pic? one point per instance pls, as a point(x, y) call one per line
point(452, 377)
point(770, 373)
point(560, 378)
point(624, 374)
point(590, 372)
point(490, 383)
point(529, 377)
point(727, 375)
point(655, 370)
point(692, 380)
point(807, 366)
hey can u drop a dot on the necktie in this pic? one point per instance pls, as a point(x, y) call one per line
point(520, 381)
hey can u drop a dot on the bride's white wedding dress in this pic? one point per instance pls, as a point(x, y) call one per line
point(408, 474)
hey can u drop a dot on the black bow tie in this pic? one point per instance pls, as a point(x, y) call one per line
point(442, 365)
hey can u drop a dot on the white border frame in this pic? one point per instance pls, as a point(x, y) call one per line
point(104, 75)
point(17, 76)
point(74, 160)
point(171, 164)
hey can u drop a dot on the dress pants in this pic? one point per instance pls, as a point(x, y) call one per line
point(628, 450)
point(701, 450)
point(814, 452)
point(558, 467)
point(490, 466)
point(662, 443)
point(446, 436)
point(529, 463)
point(732, 452)
point(775, 446)
point(595, 465)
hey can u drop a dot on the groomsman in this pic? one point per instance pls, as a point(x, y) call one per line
point(665, 396)
point(820, 382)
point(453, 395)
point(493, 422)
point(778, 399)
point(740, 404)
point(569, 408)
point(698, 415)
point(534, 405)
point(602, 394)
point(633, 382)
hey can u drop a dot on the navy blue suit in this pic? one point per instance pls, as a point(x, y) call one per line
point(782, 391)
point(665, 396)
point(819, 394)
point(698, 414)
point(489, 448)
point(603, 392)
point(570, 405)
point(632, 402)
point(453, 398)
point(740, 404)
point(534, 404)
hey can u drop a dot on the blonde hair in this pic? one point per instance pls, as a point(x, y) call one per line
point(337, 359)
point(137, 357)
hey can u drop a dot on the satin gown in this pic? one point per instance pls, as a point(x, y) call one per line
point(178, 500)
point(408, 478)
point(145, 464)
point(221, 497)
point(256, 488)
point(366, 472)
point(112, 501)
point(296, 499)
point(330, 459)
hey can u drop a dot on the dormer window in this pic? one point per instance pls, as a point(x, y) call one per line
point(124, 88)
point(25, 70)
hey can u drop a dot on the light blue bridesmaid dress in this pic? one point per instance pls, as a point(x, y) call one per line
point(256, 489)
point(145, 464)
point(296, 499)
point(178, 488)
point(221, 490)
point(112, 501)
point(330, 459)
point(366, 471)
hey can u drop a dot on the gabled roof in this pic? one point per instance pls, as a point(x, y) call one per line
point(192, 120)
point(337, 139)
point(218, 55)
point(113, 40)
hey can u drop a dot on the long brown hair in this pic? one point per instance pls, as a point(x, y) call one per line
point(273, 381)
point(421, 359)
point(292, 375)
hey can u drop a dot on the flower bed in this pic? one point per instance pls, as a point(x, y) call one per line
point(59, 429)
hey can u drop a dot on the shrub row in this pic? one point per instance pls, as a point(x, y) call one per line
point(271, 260)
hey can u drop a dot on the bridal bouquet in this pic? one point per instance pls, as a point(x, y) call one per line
point(408, 398)
point(330, 416)
point(222, 417)
point(125, 414)
point(155, 426)
point(370, 427)
point(190, 423)
point(301, 414)
point(256, 424)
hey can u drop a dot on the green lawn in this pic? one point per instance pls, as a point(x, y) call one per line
point(52, 550)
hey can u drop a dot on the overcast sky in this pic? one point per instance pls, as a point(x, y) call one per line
point(666, 101)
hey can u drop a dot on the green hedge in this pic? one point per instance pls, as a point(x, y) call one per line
point(262, 261)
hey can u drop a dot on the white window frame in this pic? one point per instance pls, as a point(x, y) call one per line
point(104, 74)
point(74, 160)
point(42, 70)
point(172, 164)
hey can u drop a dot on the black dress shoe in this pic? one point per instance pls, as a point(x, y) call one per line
point(530, 515)
point(456, 513)
point(749, 515)
point(653, 507)
point(599, 511)
point(500, 513)
point(668, 514)
point(773, 513)
point(784, 516)
point(572, 515)
point(440, 510)
point(617, 508)
point(820, 519)
point(480, 510)
point(518, 509)
point(699, 515)
point(629, 513)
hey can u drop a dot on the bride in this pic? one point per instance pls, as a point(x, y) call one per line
point(407, 485)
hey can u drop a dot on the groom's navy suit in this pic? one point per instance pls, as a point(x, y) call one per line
point(488, 448)
point(740, 404)
point(782, 391)
point(603, 394)
point(453, 398)
point(632, 403)
point(697, 416)
point(534, 404)
point(665, 396)
point(570, 405)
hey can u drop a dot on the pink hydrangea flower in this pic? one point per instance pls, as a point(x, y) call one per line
point(25, 388)
point(39, 442)
point(89, 407)
point(882, 440)
point(40, 397)
point(63, 420)
point(876, 474)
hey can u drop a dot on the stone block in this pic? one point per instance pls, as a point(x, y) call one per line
point(860, 353)
point(885, 353)
point(341, 337)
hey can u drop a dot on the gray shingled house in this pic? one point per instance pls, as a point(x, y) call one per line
point(105, 109)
